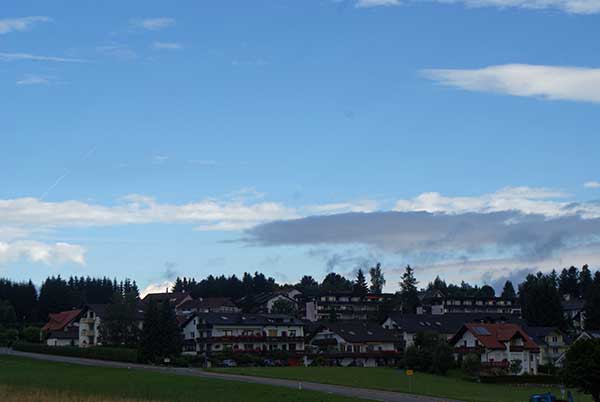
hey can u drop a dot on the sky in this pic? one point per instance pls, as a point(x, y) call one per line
point(151, 139)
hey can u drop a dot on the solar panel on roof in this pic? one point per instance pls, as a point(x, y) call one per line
point(481, 331)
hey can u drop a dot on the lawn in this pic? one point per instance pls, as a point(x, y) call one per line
point(24, 379)
point(451, 386)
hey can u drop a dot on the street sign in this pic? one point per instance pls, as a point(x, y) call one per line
point(410, 372)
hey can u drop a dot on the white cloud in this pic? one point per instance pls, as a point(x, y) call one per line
point(156, 288)
point(119, 51)
point(376, 3)
point(20, 24)
point(568, 6)
point(154, 24)
point(167, 45)
point(41, 252)
point(343, 207)
point(159, 159)
point(548, 82)
point(33, 57)
point(138, 209)
point(591, 184)
point(526, 200)
point(33, 80)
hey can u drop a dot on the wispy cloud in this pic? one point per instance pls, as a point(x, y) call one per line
point(8, 25)
point(154, 24)
point(32, 57)
point(123, 52)
point(376, 3)
point(568, 6)
point(34, 80)
point(547, 82)
point(167, 45)
point(592, 184)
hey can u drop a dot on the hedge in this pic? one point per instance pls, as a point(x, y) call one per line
point(97, 352)
point(521, 379)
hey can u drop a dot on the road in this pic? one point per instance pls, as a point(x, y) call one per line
point(363, 393)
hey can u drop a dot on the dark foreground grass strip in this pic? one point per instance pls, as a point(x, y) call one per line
point(23, 373)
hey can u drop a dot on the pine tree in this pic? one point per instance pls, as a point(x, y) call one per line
point(508, 292)
point(592, 305)
point(408, 291)
point(150, 340)
point(585, 281)
point(170, 338)
point(360, 284)
point(377, 279)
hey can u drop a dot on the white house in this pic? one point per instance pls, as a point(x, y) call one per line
point(498, 345)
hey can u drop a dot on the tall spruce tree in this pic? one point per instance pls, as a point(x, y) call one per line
point(541, 301)
point(592, 305)
point(508, 291)
point(377, 279)
point(408, 291)
point(150, 338)
point(360, 284)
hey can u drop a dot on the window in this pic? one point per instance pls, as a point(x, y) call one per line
point(292, 333)
point(272, 332)
point(555, 339)
point(292, 347)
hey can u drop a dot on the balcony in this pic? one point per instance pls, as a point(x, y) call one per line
point(249, 338)
point(88, 332)
point(87, 320)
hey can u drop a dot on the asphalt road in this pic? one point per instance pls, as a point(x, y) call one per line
point(370, 394)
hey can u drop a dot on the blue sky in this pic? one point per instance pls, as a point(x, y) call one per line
point(146, 138)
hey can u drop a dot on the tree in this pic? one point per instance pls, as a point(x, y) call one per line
point(487, 292)
point(582, 367)
point(308, 286)
point(360, 286)
point(150, 338)
point(7, 314)
point(377, 279)
point(31, 334)
point(568, 282)
point(443, 358)
point(508, 291)
point(283, 307)
point(585, 281)
point(592, 304)
point(471, 365)
point(408, 291)
point(540, 301)
point(335, 283)
point(170, 337)
point(119, 325)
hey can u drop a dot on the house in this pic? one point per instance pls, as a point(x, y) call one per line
point(436, 302)
point(551, 340)
point(446, 325)
point(210, 333)
point(347, 306)
point(263, 303)
point(62, 329)
point(574, 312)
point(582, 336)
point(175, 298)
point(208, 305)
point(352, 343)
point(90, 322)
point(498, 345)
point(89, 325)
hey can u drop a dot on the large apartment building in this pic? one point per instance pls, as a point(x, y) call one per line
point(210, 333)
point(345, 306)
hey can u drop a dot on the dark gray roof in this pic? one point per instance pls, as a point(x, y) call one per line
point(539, 333)
point(362, 331)
point(247, 319)
point(447, 323)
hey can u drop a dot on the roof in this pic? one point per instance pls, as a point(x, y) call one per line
point(447, 323)
point(493, 336)
point(176, 298)
point(361, 331)
point(98, 309)
point(58, 321)
point(539, 333)
point(238, 319)
point(207, 303)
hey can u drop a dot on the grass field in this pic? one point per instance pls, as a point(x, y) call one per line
point(389, 379)
point(27, 380)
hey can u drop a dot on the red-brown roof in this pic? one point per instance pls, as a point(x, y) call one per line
point(493, 336)
point(59, 321)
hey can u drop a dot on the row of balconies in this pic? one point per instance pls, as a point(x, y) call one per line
point(246, 338)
